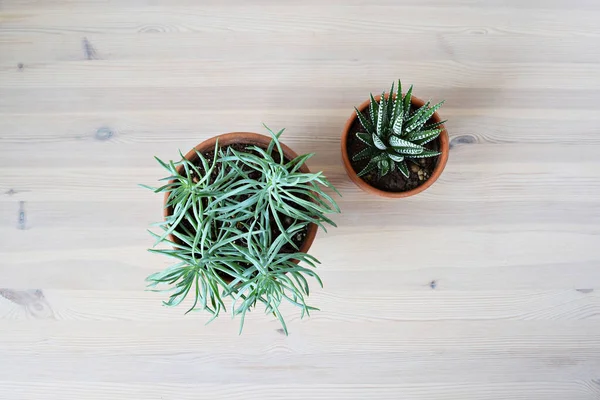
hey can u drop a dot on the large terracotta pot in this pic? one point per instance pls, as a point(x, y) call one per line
point(443, 141)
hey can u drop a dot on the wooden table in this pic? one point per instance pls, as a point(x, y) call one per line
point(486, 286)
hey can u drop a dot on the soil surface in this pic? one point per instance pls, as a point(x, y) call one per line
point(298, 237)
point(419, 171)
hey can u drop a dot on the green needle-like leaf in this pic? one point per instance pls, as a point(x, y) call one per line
point(234, 219)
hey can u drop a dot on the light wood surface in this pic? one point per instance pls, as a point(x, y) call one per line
point(486, 286)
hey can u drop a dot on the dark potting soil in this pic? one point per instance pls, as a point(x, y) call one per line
point(298, 238)
point(394, 181)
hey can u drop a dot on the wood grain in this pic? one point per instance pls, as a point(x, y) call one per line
point(484, 287)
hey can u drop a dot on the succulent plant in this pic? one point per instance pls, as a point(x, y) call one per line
point(395, 133)
point(232, 226)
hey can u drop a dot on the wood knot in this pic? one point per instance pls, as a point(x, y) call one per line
point(104, 133)
point(33, 301)
point(89, 52)
point(154, 29)
point(478, 31)
point(22, 217)
point(462, 139)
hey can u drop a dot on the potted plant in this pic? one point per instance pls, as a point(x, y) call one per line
point(241, 211)
point(396, 148)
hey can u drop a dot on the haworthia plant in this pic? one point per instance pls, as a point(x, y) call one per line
point(394, 134)
point(231, 217)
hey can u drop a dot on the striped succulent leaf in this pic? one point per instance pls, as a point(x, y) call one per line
point(395, 132)
point(422, 116)
point(365, 153)
point(422, 137)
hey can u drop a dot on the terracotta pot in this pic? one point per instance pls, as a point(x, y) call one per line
point(437, 171)
point(250, 139)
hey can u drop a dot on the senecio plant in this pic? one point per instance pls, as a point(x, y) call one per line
point(395, 133)
point(232, 228)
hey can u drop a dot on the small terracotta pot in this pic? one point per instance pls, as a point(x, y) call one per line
point(250, 139)
point(437, 171)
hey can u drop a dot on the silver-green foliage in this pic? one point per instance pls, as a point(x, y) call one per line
point(395, 134)
point(222, 220)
